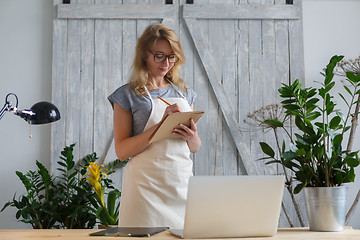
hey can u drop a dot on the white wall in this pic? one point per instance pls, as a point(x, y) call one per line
point(25, 69)
point(330, 27)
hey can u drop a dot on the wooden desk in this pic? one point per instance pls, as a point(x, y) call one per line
point(83, 234)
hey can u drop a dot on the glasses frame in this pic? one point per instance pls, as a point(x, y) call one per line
point(166, 57)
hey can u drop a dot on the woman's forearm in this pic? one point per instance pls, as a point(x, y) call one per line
point(194, 144)
point(131, 146)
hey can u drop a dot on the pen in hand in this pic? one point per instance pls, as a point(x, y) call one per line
point(173, 107)
point(164, 100)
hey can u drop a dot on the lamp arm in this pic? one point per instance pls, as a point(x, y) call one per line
point(4, 109)
point(7, 106)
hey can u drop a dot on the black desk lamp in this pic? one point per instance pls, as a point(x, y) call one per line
point(39, 113)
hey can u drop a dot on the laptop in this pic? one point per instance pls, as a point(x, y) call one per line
point(232, 206)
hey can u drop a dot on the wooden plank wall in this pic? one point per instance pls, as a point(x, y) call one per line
point(238, 54)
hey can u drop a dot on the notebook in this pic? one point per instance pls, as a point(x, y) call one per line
point(232, 206)
point(130, 231)
point(171, 121)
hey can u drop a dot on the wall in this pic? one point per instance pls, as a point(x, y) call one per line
point(330, 27)
point(25, 69)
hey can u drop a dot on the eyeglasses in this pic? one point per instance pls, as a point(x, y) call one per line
point(160, 57)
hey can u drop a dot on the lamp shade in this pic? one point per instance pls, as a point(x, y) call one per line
point(44, 112)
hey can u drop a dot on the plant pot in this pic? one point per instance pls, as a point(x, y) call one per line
point(326, 208)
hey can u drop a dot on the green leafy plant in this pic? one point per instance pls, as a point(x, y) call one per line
point(74, 196)
point(64, 201)
point(315, 153)
point(37, 207)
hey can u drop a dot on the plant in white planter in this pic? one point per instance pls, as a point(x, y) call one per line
point(315, 152)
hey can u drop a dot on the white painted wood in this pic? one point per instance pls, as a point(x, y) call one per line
point(86, 97)
point(114, 11)
point(256, 79)
point(296, 47)
point(194, 75)
point(241, 11)
point(72, 121)
point(103, 115)
point(243, 78)
point(224, 57)
point(269, 81)
point(59, 69)
point(296, 55)
point(221, 95)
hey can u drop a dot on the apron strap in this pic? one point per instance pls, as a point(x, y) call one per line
point(178, 90)
point(148, 93)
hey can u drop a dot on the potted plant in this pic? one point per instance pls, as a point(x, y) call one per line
point(55, 202)
point(67, 200)
point(315, 153)
point(106, 211)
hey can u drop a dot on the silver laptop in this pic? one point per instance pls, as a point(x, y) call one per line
point(232, 206)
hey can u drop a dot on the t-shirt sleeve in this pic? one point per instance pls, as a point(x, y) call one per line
point(121, 96)
point(191, 96)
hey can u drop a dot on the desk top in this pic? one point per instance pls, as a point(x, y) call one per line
point(83, 234)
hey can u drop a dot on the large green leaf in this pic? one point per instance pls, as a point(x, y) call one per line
point(289, 155)
point(337, 139)
point(313, 115)
point(291, 107)
point(113, 196)
point(25, 180)
point(330, 68)
point(352, 162)
point(350, 176)
point(267, 149)
point(289, 101)
point(351, 76)
point(301, 151)
point(335, 121)
point(311, 92)
point(344, 99)
point(273, 161)
point(299, 187)
point(329, 86)
point(311, 102)
point(274, 123)
point(299, 123)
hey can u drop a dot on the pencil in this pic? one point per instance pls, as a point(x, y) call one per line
point(164, 101)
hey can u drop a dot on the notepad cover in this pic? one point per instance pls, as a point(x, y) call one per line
point(171, 121)
point(130, 231)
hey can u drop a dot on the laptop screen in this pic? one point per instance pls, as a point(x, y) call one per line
point(233, 206)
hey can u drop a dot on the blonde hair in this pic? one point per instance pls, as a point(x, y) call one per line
point(152, 34)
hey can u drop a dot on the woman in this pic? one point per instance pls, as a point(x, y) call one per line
point(156, 177)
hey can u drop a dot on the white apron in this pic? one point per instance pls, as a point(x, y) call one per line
point(155, 181)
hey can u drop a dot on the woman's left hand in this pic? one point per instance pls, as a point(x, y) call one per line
point(190, 135)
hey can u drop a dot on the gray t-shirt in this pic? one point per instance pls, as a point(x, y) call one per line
point(140, 105)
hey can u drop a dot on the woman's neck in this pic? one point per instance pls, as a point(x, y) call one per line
point(157, 83)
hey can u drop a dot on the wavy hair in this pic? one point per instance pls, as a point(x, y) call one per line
point(152, 34)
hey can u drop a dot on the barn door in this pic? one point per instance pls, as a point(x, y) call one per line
point(238, 53)
point(246, 50)
point(241, 47)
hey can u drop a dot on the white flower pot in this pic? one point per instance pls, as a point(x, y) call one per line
point(326, 208)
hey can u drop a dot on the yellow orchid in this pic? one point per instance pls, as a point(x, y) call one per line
point(107, 213)
point(95, 174)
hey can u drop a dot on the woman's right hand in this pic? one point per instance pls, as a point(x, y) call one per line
point(171, 109)
point(126, 145)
